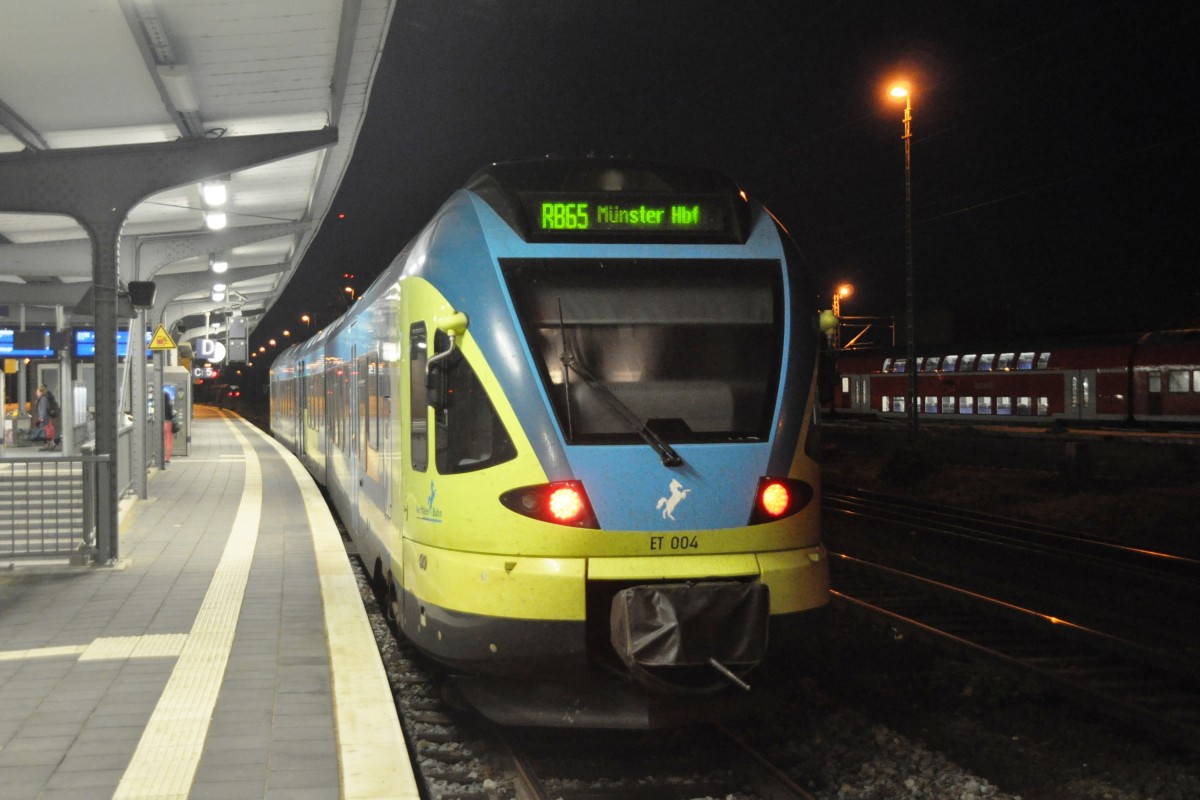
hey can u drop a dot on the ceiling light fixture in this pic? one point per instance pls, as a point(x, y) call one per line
point(177, 81)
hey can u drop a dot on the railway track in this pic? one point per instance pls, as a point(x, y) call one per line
point(1133, 593)
point(459, 757)
point(1140, 680)
point(1163, 568)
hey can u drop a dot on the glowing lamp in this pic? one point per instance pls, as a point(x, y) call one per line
point(565, 504)
point(774, 499)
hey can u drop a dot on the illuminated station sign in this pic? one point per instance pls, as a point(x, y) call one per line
point(607, 216)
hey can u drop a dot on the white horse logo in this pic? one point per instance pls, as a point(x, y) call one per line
point(667, 504)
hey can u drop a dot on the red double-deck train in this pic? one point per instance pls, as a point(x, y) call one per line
point(1141, 378)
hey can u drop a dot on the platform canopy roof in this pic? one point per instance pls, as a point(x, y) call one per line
point(104, 73)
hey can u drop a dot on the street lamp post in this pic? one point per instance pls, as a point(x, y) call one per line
point(839, 294)
point(910, 354)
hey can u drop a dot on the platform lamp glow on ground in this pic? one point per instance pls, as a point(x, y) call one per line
point(903, 90)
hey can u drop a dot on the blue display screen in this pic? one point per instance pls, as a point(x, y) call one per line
point(84, 343)
point(8, 347)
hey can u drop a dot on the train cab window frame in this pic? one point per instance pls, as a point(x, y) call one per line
point(1044, 360)
point(691, 348)
point(468, 433)
point(968, 362)
point(1025, 360)
point(950, 364)
point(1179, 380)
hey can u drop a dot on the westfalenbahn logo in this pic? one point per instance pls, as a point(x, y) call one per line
point(429, 512)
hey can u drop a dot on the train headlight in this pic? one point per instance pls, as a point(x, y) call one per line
point(561, 502)
point(777, 498)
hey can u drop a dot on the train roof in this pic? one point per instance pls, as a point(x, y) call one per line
point(1024, 344)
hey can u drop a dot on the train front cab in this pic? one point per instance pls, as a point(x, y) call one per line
point(489, 582)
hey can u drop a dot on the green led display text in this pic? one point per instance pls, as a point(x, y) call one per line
point(564, 216)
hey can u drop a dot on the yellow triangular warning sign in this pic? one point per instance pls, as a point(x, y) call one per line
point(162, 340)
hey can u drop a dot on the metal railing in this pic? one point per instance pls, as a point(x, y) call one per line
point(48, 504)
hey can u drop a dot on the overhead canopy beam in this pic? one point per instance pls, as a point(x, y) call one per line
point(98, 186)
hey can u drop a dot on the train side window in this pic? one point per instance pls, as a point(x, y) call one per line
point(1043, 406)
point(931, 404)
point(966, 405)
point(948, 405)
point(985, 362)
point(1006, 361)
point(1196, 380)
point(1025, 360)
point(919, 362)
point(985, 405)
point(1024, 406)
point(470, 435)
point(845, 384)
point(968, 362)
point(1004, 406)
point(1043, 361)
point(950, 363)
point(419, 428)
point(885, 404)
point(901, 365)
point(931, 363)
point(887, 365)
point(1153, 382)
point(898, 404)
point(1179, 380)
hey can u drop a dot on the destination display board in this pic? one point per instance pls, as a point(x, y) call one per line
point(83, 343)
point(10, 347)
point(603, 216)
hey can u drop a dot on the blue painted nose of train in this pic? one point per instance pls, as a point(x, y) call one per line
point(631, 490)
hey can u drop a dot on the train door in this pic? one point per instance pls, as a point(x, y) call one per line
point(355, 446)
point(1081, 394)
point(384, 385)
point(860, 393)
point(301, 384)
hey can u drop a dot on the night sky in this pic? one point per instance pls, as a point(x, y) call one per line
point(1054, 152)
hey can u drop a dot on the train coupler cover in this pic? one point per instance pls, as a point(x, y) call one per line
point(659, 630)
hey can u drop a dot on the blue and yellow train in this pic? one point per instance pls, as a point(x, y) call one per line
point(572, 432)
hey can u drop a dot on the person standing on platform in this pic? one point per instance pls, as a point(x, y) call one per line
point(45, 410)
point(168, 427)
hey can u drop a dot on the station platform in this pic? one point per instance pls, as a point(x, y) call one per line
point(225, 655)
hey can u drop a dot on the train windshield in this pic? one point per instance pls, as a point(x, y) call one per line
point(687, 349)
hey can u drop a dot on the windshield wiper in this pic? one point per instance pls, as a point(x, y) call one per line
point(669, 457)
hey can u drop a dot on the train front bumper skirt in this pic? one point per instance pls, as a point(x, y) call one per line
point(667, 634)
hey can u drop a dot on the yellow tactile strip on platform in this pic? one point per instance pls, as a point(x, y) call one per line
point(166, 758)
